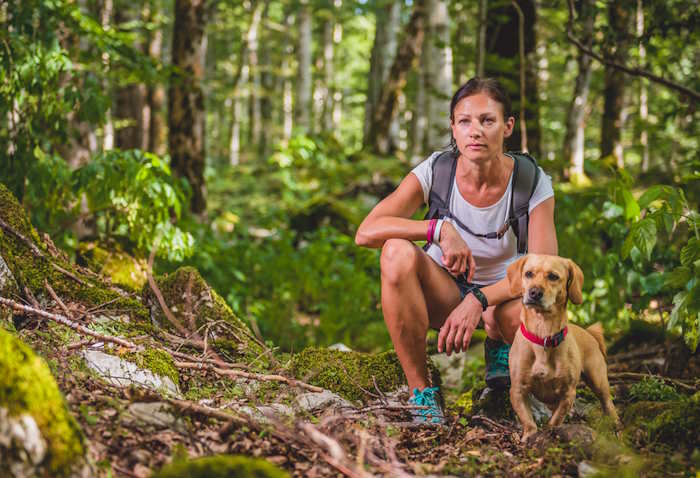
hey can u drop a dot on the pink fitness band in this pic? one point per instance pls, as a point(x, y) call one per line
point(431, 229)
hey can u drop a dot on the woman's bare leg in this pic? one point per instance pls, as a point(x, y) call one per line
point(502, 321)
point(416, 293)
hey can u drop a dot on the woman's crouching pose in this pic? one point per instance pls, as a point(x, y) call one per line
point(459, 278)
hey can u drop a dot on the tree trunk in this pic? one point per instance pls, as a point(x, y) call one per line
point(643, 101)
point(388, 18)
point(337, 92)
point(267, 83)
point(185, 99)
point(419, 120)
point(574, 138)
point(503, 62)
point(302, 110)
point(619, 15)
point(385, 112)
point(481, 38)
point(438, 75)
point(254, 115)
point(108, 129)
point(328, 72)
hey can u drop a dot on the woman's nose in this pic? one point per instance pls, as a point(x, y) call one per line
point(475, 129)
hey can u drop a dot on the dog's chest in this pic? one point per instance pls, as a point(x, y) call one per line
point(549, 380)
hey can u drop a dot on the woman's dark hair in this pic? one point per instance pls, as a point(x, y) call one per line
point(491, 86)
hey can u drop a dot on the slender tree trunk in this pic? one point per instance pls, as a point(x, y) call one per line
point(420, 119)
point(574, 138)
point(503, 62)
point(267, 82)
point(108, 129)
point(388, 20)
point(328, 72)
point(302, 109)
point(619, 15)
point(337, 92)
point(254, 115)
point(185, 99)
point(387, 105)
point(438, 75)
point(481, 38)
point(643, 101)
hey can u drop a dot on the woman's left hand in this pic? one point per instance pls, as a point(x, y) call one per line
point(456, 332)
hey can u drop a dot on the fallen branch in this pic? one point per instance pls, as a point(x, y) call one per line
point(336, 455)
point(35, 250)
point(159, 296)
point(58, 300)
point(208, 360)
point(81, 329)
point(250, 375)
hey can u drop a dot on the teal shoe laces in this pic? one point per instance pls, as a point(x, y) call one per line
point(427, 398)
point(497, 359)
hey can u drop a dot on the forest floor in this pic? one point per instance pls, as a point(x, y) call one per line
point(127, 437)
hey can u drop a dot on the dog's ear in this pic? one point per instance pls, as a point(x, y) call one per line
point(515, 276)
point(575, 282)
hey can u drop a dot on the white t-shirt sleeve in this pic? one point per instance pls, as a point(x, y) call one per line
point(424, 173)
point(542, 191)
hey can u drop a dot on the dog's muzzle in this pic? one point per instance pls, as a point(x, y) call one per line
point(533, 296)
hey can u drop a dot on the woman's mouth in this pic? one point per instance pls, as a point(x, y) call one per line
point(475, 146)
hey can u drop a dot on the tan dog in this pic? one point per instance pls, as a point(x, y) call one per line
point(548, 356)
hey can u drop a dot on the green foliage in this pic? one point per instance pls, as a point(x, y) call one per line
point(132, 194)
point(221, 466)
point(653, 389)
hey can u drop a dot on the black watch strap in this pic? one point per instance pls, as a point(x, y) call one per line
point(479, 295)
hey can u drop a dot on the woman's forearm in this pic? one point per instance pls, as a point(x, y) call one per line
point(498, 292)
point(374, 232)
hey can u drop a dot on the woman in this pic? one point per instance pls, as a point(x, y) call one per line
point(425, 289)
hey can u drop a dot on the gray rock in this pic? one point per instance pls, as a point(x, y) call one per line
point(123, 373)
point(22, 448)
point(451, 368)
point(7, 280)
point(156, 414)
point(261, 414)
point(341, 347)
point(576, 432)
point(585, 470)
point(315, 401)
point(540, 412)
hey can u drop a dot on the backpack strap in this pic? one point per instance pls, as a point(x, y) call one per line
point(444, 170)
point(525, 177)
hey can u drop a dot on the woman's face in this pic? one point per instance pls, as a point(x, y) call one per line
point(479, 127)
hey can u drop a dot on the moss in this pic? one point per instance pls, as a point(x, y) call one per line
point(348, 373)
point(197, 306)
point(32, 272)
point(120, 267)
point(221, 466)
point(26, 386)
point(675, 423)
point(495, 403)
point(157, 361)
point(653, 389)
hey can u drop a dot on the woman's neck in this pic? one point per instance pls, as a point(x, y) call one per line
point(483, 174)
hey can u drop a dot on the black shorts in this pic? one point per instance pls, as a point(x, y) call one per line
point(463, 285)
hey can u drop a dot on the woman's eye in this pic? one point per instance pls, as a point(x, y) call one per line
point(552, 276)
point(529, 274)
point(488, 121)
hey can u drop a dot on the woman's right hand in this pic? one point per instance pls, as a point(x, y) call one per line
point(456, 255)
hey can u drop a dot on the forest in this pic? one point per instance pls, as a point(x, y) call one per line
point(181, 184)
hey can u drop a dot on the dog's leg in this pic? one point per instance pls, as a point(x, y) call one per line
point(563, 408)
point(597, 379)
point(521, 405)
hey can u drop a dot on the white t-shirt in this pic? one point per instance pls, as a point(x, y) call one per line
point(492, 256)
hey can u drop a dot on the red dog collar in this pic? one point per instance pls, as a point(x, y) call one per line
point(551, 341)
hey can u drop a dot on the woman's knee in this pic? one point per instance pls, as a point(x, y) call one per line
point(507, 319)
point(493, 331)
point(399, 258)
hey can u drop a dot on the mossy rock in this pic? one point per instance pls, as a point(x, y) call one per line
point(199, 307)
point(27, 388)
point(221, 466)
point(32, 271)
point(348, 373)
point(674, 423)
point(123, 269)
point(159, 362)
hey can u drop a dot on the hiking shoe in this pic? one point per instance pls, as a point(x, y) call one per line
point(429, 398)
point(497, 373)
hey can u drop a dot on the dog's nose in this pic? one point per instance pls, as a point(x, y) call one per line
point(535, 293)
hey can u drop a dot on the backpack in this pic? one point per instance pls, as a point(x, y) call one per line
point(525, 177)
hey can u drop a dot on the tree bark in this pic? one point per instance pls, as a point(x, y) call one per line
point(574, 137)
point(643, 100)
point(481, 38)
point(503, 62)
point(186, 100)
point(388, 18)
point(407, 53)
point(419, 120)
point(438, 75)
point(619, 15)
point(328, 72)
point(302, 109)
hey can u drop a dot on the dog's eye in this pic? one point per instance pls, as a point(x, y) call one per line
point(552, 276)
point(529, 274)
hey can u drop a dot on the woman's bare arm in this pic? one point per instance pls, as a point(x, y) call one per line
point(390, 217)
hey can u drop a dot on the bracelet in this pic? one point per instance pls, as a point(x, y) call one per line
point(480, 296)
point(431, 229)
point(436, 233)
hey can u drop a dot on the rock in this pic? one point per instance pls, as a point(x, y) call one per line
point(451, 368)
point(540, 412)
point(341, 347)
point(123, 373)
point(582, 434)
point(156, 414)
point(585, 470)
point(38, 435)
point(7, 280)
point(261, 413)
point(316, 401)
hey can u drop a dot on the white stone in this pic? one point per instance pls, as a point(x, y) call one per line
point(157, 414)
point(261, 414)
point(315, 401)
point(341, 347)
point(123, 373)
point(7, 280)
point(21, 444)
point(585, 469)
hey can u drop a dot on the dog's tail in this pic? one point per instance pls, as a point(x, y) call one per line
point(596, 330)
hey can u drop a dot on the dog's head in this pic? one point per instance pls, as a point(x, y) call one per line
point(545, 281)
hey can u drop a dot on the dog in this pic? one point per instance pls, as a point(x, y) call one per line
point(548, 355)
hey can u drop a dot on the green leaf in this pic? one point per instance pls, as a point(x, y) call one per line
point(652, 284)
point(632, 209)
point(644, 233)
point(679, 309)
point(612, 210)
point(650, 195)
point(690, 252)
point(678, 277)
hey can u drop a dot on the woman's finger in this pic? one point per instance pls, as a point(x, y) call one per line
point(472, 267)
point(444, 330)
point(458, 339)
point(450, 341)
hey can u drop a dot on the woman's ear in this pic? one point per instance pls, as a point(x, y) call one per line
point(510, 124)
point(575, 283)
point(515, 276)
